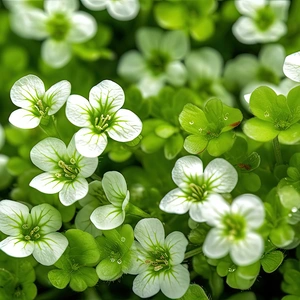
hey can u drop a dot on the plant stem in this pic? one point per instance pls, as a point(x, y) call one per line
point(134, 210)
point(193, 252)
point(277, 151)
point(96, 177)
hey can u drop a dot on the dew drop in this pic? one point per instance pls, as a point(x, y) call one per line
point(123, 239)
point(290, 215)
point(119, 261)
point(226, 116)
point(200, 129)
point(191, 122)
point(266, 114)
point(231, 270)
point(294, 209)
point(112, 259)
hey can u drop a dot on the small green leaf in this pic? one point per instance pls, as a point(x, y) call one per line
point(282, 235)
point(221, 144)
point(250, 181)
point(165, 130)
point(173, 146)
point(109, 270)
point(289, 197)
point(194, 292)
point(59, 278)
point(152, 143)
point(271, 261)
point(202, 29)
point(293, 101)
point(291, 135)
point(195, 144)
point(248, 272)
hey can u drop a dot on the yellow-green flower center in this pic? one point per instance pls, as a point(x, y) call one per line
point(31, 233)
point(265, 17)
point(58, 26)
point(158, 259)
point(69, 171)
point(234, 227)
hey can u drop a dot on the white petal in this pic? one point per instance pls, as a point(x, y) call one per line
point(150, 86)
point(146, 284)
point(175, 202)
point(61, 6)
point(281, 8)
point(57, 95)
point(196, 212)
point(248, 250)
point(291, 66)
point(24, 119)
point(12, 216)
point(50, 248)
point(56, 54)
point(107, 217)
point(251, 208)
point(215, 246)
point(176, 73)
point(176, 243)
point(27, 90)
point(90, 144)
point(47, 183)
point(115, 187)
point(30, 23)
point(214, 209)
point(16, 246)
point(73, 191)
point(47, 153)
point(46, 217)
point(221, 176)
point(95, 4)
point(78, 111)
point(83, 27)
point(123, 10)
point(187, 168)
point(175, 282)
point(137, 260)
point(249, 7)
point(150, 233)
point(126, 126)
point(108, 96)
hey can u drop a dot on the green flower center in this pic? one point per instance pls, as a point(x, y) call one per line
point(158, 62)
point(159, 259)
point(115, 256)
point(282, 124)
point(41, 110)
point(102, 123)
point(58, 26)
point(265, 17)
point(69, 171)
point(197, 193)
point(234, 227)
point(30, 233)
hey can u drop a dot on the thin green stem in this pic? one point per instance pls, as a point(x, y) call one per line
point(134, 210)
point(277, 151)
point(193, 252)
point(96, 177)
point(50, 128)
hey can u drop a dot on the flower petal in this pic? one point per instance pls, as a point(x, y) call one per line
point(136, 263)
point(176, 243)
point(46, 217)
point(27, 90)
point(150, 85)
point(291, 66)
point(16, 247)
point(78, 111)
point(83, 27)
point(196, 212)
point(248, 250)
point(126, 126)
point(175, 282)
point(146, 284)
point(107, 217)
point(56, 54)
point(108, 96)
point(176, 73)
point(57, 95)
point(90, 144)
point(221, 176)
point(115, 187)
point(50, 248)
point(123, 10)
point(47, 183)
point(24, 119)
point(73, 191)
point(47, 153)
point(95, 4)
point(61, 6)
point(12, 216)
point(251, 208)
point(150, 233)
point(215, 246)
point(249, 7)
point(187, 168)
point(175, 202)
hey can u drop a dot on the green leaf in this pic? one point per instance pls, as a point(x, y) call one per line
point(194, 292)
point(243, 296)
point(195, 144)
point(202, 29)
point(221, 144)
point(293, 101)
point(232, 117)
point(214, 112)
point(59, 278)
point(260, 130)
point(248, 272)
point(109, 270)
point(282, 235)
point(290, 284)
point(173, 146)
point(271, 261)
point(83, 278)
point(293, 173)
point(223, 267)
point(289, 197)
point(236, 282)
point(291, 135)
point(250, 181)
point(165, 130)
point(152, 143)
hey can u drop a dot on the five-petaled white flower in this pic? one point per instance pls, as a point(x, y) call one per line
point(157, 261)
point(122, 10)
point(112, 215)
point(234, 229)
point(60, 24)
point(36, 104)
point(65, 169)
point(100, 116)
point(263, 20)
point(291, 66)
point(32, 232)
point(195, 187)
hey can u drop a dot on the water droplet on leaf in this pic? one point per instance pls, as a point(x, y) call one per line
point(294, 209)
point(119, 261)
point(266, 114)
point(123, 239)
point(191, 122)
point(112, 260)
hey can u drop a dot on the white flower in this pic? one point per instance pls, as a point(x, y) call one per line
point(195, 187)
point(159, 61)
point(234, 229)
point(263, 20)
point(291, 66)
point(32, 233)
point(59, 24)
point(110, 216)
point(65, 170)
point(157, 261)
point(36, 104)
point(122, 10)
point(101, 116)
